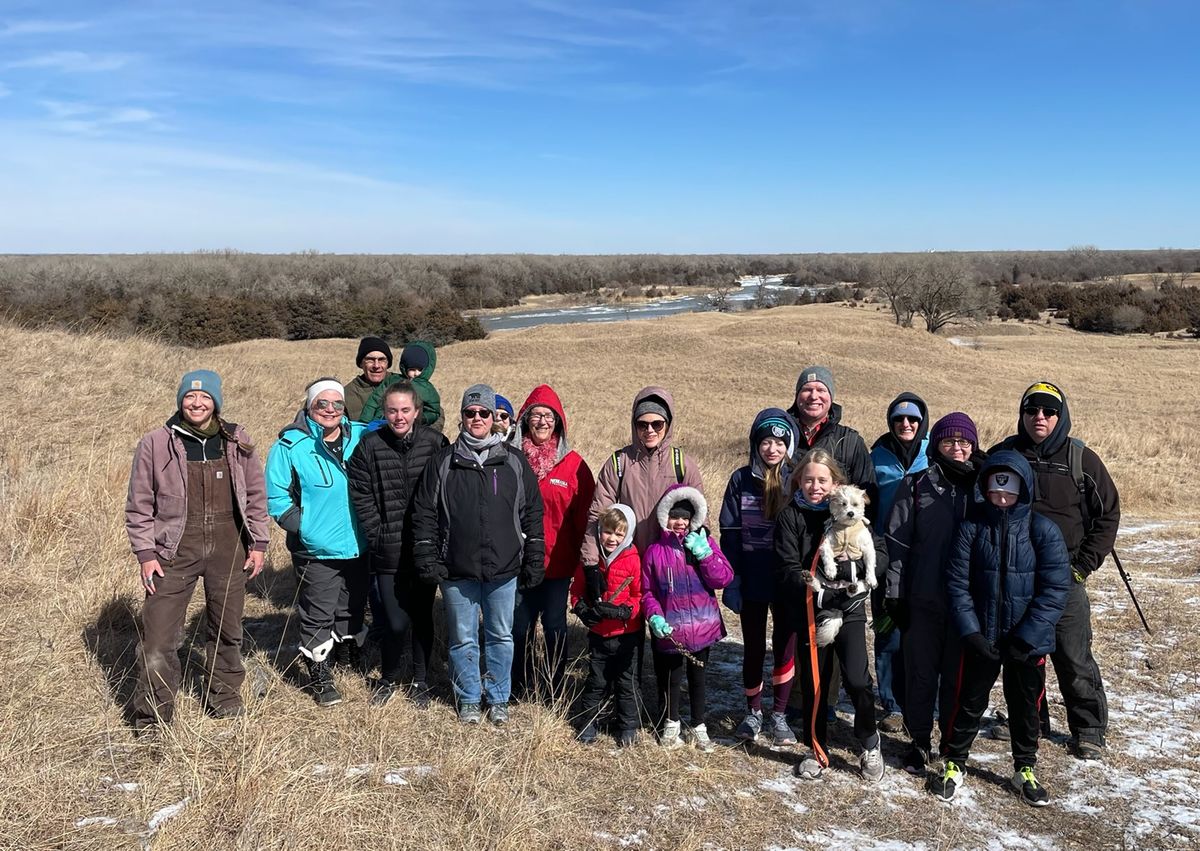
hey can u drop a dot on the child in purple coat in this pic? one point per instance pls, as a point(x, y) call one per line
point(681, 573)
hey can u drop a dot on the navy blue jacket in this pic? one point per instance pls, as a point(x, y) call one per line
point(1009, 572)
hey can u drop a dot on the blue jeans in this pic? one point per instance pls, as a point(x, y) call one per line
point(465, 599)
point(547, 601)
point(889, 672)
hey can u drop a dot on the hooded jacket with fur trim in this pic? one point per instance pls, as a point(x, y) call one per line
point(680, 588)
point(1009, 573)
point(646, 475)
point(567, 490)
point(621, 564)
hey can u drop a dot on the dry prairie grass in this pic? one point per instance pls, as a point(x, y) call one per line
point(289, 775)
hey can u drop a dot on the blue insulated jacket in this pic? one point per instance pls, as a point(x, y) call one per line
point(747, 536)
point(1009, 571)
point(308, 492)
point(890, 469)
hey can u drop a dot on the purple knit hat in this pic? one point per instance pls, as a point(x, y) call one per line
point(955, 424)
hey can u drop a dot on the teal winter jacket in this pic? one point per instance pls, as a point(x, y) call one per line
point(308, 491)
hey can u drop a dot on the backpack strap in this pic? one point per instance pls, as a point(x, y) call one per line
point(677, 460)
point(618, 468)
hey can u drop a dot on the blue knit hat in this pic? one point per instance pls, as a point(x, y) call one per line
point(503, 404)
point(204, 380)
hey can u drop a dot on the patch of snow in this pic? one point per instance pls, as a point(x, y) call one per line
point(88, 821)
point(115, 786)
point(320, 770)
point(399, 776)
point(623, 841)
point(353, 771)
point(161, 817)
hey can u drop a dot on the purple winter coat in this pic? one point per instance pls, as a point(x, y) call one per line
point(675, 586)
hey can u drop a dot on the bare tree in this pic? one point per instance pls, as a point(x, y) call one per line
point(945, 290)
point(896, 280)
point(719, 299)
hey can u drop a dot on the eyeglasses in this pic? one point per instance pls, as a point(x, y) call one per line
point(651, 425)
point(952, 443)
point(542, 418)
point(476, 414)
point(906, 418)
point(1034, 410)
point(503, 415)
point(327, 405)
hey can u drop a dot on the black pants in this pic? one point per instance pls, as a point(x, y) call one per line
point(611, 670)
point(332, 603)
point(407, 605)
point(816, 670)
point(931, 649)
point(1076, 669)
point(668, 671)
point(1024, 691)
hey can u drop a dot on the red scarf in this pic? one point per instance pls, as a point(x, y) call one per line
point(541, 458)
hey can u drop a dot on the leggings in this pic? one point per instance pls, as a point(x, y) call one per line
point(668, 669)
point(408, 617)
point(783, 652)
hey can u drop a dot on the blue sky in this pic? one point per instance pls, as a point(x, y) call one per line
point(598, 127)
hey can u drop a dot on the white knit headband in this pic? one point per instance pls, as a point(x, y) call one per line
point(320, 387)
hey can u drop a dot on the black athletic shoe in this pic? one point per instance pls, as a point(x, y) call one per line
point(944, 786)
point(999, 729)
point(384, 691)
point(421, 695)
point(588, 734)
point(916, 761)
point(1027, 786)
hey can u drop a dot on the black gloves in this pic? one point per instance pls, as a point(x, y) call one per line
point(587, 614)
point(1019, 650)
point(610, 610)
point(898, 609)
point(980, 646)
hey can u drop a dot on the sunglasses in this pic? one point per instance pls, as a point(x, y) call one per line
point(327, 405)
point(1034, 410)
point(476, 414)
point(906, 418)
point(503, 415)
point(651, 425)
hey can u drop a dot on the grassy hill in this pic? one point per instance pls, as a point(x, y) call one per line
point(290, 775)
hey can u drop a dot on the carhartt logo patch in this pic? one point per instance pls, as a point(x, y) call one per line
point(812, 376)
point(220, 475)
point(197, 384)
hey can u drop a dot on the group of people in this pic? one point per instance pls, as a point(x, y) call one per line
point(981, 561)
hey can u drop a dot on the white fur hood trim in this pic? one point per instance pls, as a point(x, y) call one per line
point(682, 493)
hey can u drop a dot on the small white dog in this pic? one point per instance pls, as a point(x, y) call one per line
point(846, 546)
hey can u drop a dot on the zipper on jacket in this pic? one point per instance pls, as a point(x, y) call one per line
point(1003, 572)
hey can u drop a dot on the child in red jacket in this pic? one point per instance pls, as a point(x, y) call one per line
point(607, 598)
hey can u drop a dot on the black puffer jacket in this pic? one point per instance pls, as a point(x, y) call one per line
point(384, 474)
point(480, 522)
point(846, 446)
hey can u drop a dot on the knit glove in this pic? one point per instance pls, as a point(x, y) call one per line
point(659, 627)
point(697, 544)
point(732, 595)
point(587, 614)
point(980, 646)
point(1019, 650)
point(611, 610)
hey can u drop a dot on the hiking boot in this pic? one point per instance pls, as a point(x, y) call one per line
point(669, 737)
point(1027, 786)
point(945, 785)
point(916, 761)
point(588, 734)
point(384, 691)
point(1087, 749)
point(809, 767)
point(999, 729)
point(347, 654)
point(469, 713)
point(320, 683)
point(871, 765)
point(421, 695)
point(498, 714)
point(700, 739)
point(892, 723)
point(627, 738)
point(750, 727)
point(781, 733)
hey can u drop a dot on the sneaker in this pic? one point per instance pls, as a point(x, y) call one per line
point(320, 684)
point(1027, 786)
point(809, 767)
point(750, 727)
point(384, 691)
point(421, 695)
point(871, 765)
point(781, 733)
point(588, 734)
point(627, 738)
point(1087, 749)
point(916, 761)
point(892, 723)
point(944, 786)
point(469, 713)
point(999, 728)
point(669, 737)
point(498, 714)
point(700, 739)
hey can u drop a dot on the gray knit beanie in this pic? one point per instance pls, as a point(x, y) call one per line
point(816, 373)
point(481, 395)
point(651, 406)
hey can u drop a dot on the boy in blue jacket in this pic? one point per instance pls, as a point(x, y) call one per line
point(1007, 583)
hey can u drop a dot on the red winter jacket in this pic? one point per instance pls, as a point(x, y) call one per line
point(566, 491)
point(624, 564)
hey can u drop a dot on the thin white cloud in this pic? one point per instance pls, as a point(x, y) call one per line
point(74, 61)
point(40, 27)
point(86, 118)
